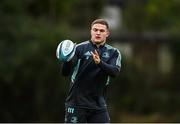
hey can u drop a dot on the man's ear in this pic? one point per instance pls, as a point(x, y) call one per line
point(107, 34)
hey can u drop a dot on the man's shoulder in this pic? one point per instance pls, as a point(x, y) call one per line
point(80, 47)
point(112, 48)
point(109, 47)
point(83, 43)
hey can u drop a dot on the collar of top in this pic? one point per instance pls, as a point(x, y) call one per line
point(101, 46)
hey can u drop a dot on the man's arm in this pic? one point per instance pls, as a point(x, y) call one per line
point(112, 67)
point(67, 67)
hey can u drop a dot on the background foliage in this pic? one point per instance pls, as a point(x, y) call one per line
point(31, 86)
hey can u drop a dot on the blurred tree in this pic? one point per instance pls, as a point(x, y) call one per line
point(152, 15)
point(32, 88)
point(142, 88)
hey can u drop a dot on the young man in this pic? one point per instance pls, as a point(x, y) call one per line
point(91, 68)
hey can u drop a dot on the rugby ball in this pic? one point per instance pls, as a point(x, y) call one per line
point(65, 50)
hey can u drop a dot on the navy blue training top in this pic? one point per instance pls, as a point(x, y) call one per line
point(89, 80)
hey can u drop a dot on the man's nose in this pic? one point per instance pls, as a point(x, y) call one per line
point(98, 32)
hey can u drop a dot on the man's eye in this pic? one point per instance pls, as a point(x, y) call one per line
point(95, 29)
point(102, 30)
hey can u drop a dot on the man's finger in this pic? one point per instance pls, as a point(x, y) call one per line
point(92, 53)
point(95, 51)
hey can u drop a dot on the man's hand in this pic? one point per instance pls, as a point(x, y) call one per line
point(96, 57)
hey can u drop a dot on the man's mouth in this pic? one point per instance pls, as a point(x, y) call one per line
point(98, 37)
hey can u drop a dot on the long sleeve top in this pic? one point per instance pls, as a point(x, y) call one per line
point(89, 80)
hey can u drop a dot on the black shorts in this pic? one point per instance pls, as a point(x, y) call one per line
point(81, 115)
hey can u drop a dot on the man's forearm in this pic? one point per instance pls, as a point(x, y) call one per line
point(109, 69)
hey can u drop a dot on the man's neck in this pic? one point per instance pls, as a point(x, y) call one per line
point(99, 44)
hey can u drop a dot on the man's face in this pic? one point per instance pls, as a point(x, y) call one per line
point(99, 33)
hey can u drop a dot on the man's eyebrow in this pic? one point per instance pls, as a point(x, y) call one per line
point(99, 29)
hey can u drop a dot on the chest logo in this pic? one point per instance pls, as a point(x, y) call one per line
point(87, 54)
point(105, 55)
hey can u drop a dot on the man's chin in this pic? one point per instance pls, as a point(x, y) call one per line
point(98, 42)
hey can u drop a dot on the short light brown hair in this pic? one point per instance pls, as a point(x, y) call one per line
point(100, 21)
